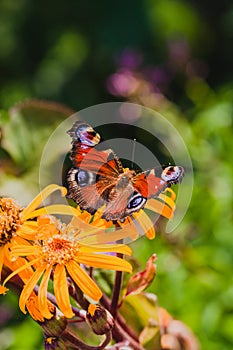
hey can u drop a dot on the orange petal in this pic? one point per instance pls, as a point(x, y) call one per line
point(102, 237)
point(2, 248)
point(32, 307)
point(25, 250)
point(29, 286)
point(129, 227)
point(3, 290)
point(172, 193)
point(61, 291)
point(41, 196)
point(14, 265)
point(22, 268)
point(109, 248)
point(51, 209)
point(83, 281)
point(42, 295)
point(105, 261)
point(159, 207)
point(28, 230)
point(146, 224)
point(168, 200)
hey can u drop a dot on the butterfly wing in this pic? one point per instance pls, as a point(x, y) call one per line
point(158, 183)
point(150, 184)
point(94, 172)
point(97, 178)
point(117, 203)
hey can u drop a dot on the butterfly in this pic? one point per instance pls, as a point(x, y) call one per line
point(98, 178)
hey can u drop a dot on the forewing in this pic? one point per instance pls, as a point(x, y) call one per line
point(83, 190)
point(94, 171)
point(84, 154)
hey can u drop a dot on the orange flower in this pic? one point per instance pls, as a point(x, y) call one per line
point(16, 224)
point(60, 249)
point(33, 307)
point(9, 223)
point(16, 228)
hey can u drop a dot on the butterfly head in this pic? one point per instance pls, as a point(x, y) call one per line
point(84, 133)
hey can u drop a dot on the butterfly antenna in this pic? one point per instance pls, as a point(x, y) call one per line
point(133, 152)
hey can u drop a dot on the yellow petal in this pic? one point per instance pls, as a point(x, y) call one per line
point(99, 222)
point(83, 281)
point(129, 226)
point(21, 268)
point(106, 237)
point(146, 224)
point(28, 230)
point(159, 207)
point(109, 248)
point(33, 309)
point(172, 193)
point(18, 240)
point(42, 295)
point(2, 248)
point(105, 261)
point(28, 288)
point(51, 209)
point(42, 196)
point(14, 265)
point(83, 229)
point(3, 290)
point(122, 230)
point(61, 291)
point(168, 200)
point(25, 250)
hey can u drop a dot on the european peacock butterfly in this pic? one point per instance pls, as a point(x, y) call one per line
point(98, 178)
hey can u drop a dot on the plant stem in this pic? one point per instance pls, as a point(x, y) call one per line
point(116, 290)
point(119, 334)
point(78, 344)
point(106, 303)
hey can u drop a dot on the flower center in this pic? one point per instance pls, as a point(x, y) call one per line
point(59, 249)
point(9, 219)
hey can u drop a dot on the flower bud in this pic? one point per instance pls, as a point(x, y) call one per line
point(99, 319)
point(55, 326)
point(53, 343)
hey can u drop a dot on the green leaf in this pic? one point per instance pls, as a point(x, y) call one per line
point(141, 313)
point(30, 125)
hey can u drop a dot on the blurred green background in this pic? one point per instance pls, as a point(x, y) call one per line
point(171, 55)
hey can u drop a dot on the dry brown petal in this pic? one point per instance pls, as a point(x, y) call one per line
point(184, 334)
point(170, 342)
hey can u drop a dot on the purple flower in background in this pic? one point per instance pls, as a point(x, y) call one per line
point(130, 58)
point(158, 76)
point(122, 83)
point(150, 84)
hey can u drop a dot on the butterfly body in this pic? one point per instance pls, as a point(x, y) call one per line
point(98, 178)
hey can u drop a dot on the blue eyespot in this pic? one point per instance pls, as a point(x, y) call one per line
point(136, 201)
point(82, 178)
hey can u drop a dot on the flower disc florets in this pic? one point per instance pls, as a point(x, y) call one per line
point(9, 219)
point(59, 249)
